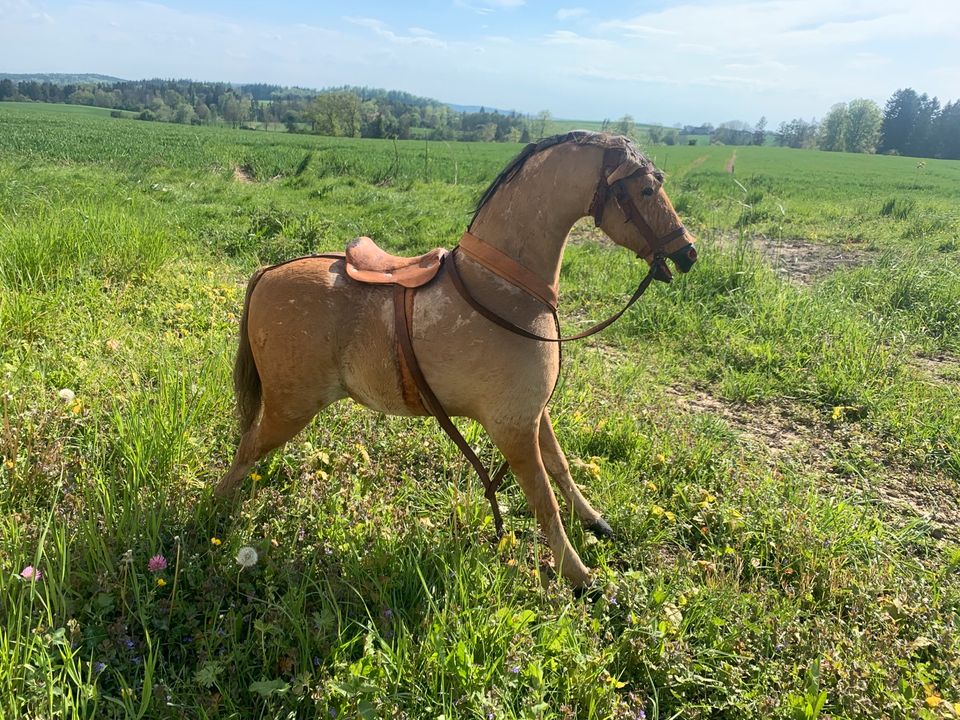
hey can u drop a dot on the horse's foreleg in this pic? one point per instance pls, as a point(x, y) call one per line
point(559, 469)
point(522, 451)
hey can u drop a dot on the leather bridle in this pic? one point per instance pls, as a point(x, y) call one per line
point(612, 183)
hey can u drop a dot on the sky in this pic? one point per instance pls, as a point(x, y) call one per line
point(660, 61)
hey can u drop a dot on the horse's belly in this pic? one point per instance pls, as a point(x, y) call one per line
point(369, 367)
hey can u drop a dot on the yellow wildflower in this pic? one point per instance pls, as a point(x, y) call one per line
point(216, 541)
point(256, 477)
point(508, 541)
point(161, 582)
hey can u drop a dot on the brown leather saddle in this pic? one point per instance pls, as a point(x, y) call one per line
point(368, 263)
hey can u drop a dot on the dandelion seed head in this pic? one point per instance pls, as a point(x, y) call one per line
point(67, 395)
point(247, 557)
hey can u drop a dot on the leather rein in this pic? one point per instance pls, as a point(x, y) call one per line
point(513, 272)
point(416, 390)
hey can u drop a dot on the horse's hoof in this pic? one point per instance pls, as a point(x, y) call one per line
point(590, 592)
point(600, 529)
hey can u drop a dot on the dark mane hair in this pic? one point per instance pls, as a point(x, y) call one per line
point(580, 137)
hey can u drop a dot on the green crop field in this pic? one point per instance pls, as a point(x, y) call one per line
point(775, 439)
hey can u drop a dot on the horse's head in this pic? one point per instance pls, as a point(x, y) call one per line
point(631, 207)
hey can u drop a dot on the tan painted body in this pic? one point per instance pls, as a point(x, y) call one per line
point(315, 336)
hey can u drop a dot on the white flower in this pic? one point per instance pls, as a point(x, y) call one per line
point(67, 395)
point(247, 557)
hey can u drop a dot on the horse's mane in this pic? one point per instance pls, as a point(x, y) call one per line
point(580, 137)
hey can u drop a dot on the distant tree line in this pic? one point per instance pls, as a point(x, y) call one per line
point(343, 111)
point(910, 124)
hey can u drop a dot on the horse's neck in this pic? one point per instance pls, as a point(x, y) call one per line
point(528, 218)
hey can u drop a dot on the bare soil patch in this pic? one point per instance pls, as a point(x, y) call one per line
point(788, 434)
point(243, 175)
point(940, 368)
point(803, 262)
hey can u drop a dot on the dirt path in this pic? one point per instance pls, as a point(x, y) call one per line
point(801, 261)
point(731, 163)
point(787, 434)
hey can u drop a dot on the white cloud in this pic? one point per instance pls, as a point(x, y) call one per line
point(485, 7)
point(567, 13)
point(566, 37)
point(418, 36)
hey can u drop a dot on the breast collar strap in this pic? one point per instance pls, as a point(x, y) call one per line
point(504, 266)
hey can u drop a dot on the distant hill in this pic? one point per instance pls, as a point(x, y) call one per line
point(61, 78)
point(478, 108)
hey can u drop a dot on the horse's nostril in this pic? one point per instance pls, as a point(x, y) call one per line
point(684, 258)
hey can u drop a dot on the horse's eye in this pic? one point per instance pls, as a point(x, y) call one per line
point(647, 191)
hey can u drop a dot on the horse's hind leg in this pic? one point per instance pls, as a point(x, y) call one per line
point(275, 428)
point(521, 449)
point(559, 469)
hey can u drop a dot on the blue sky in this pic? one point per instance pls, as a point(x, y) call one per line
point(684, 61)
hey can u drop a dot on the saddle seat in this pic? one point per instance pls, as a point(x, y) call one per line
point(368, 263)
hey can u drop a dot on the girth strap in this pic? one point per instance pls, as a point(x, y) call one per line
point(403, 299)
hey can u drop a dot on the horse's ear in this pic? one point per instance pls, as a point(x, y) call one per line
point(625, 169)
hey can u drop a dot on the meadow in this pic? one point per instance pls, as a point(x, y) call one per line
point(775, 439)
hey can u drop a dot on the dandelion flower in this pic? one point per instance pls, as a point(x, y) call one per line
point(247, 557)
point(67, 395)
point(161, 582)
point(215, 541)
point(31, 573)
point(157, 563)
point(256, 477)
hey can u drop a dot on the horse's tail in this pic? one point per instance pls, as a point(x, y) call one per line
point(246, 377)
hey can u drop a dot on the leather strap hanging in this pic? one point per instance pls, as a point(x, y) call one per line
point(403, 299)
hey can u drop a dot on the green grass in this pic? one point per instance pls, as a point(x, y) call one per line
point(780, 468)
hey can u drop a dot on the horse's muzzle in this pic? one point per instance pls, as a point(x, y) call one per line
point(683, 259)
